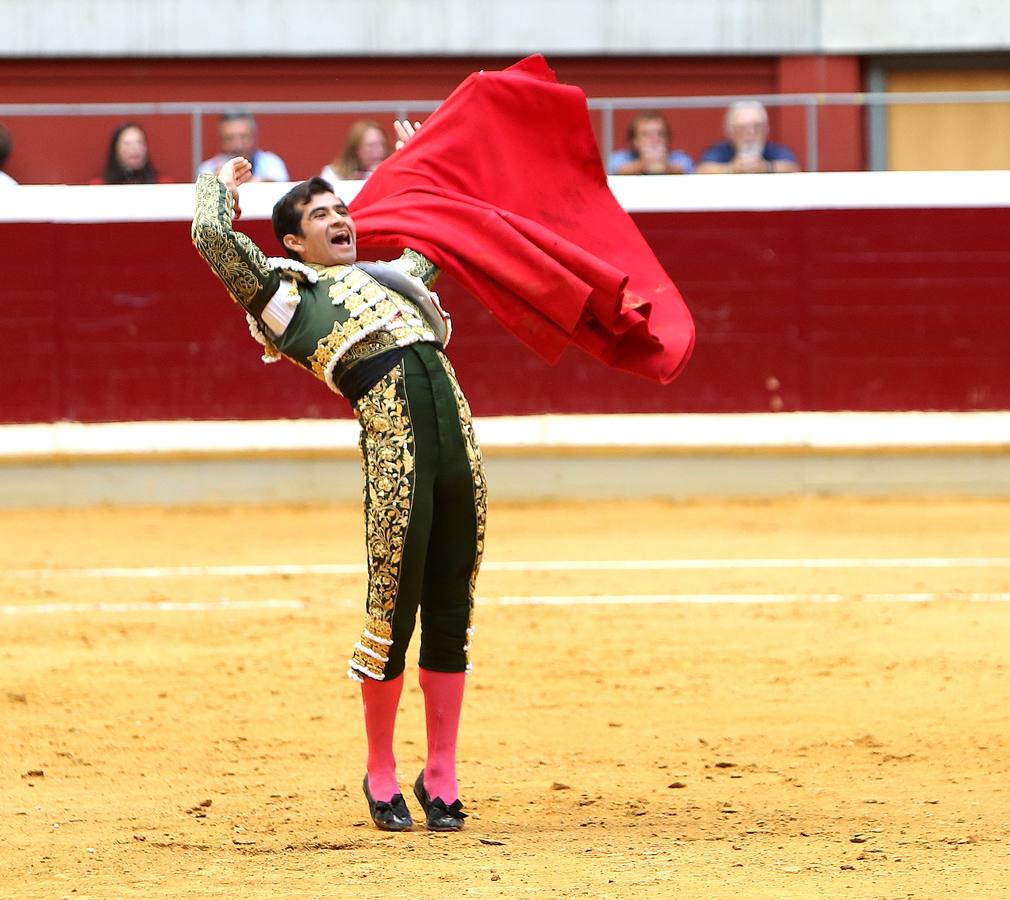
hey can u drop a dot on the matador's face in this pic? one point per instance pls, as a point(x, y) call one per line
point(328, 236)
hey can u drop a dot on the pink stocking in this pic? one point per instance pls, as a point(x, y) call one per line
point(380, 699)
point(443, 700)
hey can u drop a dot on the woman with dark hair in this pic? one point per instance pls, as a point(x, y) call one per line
point(6, 145)
point(365, 147)
point(129, 161)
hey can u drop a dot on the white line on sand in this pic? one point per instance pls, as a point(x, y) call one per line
point(743, 599)
point(51, 609)
point(563, 565)
point(226, 605)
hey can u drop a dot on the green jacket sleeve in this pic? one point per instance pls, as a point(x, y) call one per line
point(233, 257)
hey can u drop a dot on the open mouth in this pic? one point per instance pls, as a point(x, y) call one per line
point(343, 239)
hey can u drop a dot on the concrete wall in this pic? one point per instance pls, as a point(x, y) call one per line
point(409, 27)
point(529, 459)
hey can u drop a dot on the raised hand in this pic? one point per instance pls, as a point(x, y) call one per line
point(404, 132)
point(232, 174)
point(653, 156)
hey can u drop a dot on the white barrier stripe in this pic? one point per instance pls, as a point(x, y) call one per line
point(577, 433)
point(507, 601)
point(571, 565)
point(800, 190)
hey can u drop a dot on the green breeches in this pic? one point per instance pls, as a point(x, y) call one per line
point(425, 510)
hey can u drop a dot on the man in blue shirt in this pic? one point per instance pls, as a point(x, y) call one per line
point(747, 148)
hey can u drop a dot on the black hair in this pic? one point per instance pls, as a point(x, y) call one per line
point(236, 114)
point(114, 173)
point(6, 145)
point(287, 215)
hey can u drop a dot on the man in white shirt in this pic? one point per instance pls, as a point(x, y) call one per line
point(237, 133)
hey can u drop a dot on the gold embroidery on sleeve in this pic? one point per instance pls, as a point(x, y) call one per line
point(235, 259)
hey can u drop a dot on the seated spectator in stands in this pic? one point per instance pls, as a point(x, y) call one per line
point(128, 160)
point(746, 148)
point(366, 146)
point(237, 134)
point(6, 145)
point(649, 150)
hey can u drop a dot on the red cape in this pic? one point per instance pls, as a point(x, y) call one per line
point(504, 189)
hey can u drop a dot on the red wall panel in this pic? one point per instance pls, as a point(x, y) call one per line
point(883, 309)
point(841, 142)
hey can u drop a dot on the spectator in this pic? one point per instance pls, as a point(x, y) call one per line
point(366, 146)
point(747, 148)
point(128, 160)
point(237, 134)
point(6, 145)
point(649, 150)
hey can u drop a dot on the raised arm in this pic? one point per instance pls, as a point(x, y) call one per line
point(412, 262)
point(404, 131)
point(233, 257)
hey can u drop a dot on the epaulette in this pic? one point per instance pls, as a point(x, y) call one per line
point(293, 267)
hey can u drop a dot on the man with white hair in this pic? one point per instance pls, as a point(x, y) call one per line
point(746, 148)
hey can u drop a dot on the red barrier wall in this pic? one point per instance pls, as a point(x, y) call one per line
point(888, 309)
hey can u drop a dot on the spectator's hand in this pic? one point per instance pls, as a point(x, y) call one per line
point(404, 132)
point(232, 174)
point(653, 156)
point(750, 164)
point(749, 159)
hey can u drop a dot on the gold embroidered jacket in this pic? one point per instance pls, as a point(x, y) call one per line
point(342, 314)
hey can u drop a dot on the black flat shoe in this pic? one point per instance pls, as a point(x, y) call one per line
point(438, 816)
point(388, 816)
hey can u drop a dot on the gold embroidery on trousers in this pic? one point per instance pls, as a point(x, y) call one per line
point(371, 653)
point(387, 458)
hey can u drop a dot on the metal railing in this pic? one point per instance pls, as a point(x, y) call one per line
point(811, 103)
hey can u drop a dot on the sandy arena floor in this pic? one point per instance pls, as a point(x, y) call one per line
point(190, 733)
